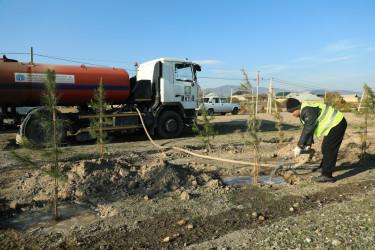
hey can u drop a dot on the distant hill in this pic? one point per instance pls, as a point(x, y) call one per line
point(341, 92)
point(225, 90)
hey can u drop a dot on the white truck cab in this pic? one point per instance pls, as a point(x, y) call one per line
point(174, 90)
point(176, 78)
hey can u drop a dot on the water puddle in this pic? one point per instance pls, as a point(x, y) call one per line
point(72, 216)
point(243, 181)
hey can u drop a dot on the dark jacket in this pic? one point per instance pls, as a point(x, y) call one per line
point(308, 117)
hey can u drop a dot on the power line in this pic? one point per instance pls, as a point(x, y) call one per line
point(64, 59)
point(85, 63)
point(14, 53)
point(229, 79)
point(301, 84)
point(289, 83)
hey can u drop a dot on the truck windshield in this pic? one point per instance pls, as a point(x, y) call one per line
point(183, 72)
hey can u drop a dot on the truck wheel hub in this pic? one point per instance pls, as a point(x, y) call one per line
point(171, 125)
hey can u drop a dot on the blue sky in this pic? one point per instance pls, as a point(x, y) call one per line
point(302, 45)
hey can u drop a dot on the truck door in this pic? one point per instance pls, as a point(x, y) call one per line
point(185, 88)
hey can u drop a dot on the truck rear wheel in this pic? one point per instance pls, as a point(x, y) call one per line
point(35, 133)
point(169, 125)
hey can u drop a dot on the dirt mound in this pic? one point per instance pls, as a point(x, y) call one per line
point(100, 177)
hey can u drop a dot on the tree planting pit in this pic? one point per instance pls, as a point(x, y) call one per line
point(72, 217)
point(244, 181)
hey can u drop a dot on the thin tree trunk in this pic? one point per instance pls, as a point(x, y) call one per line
point(56, 164)
point(256, 165)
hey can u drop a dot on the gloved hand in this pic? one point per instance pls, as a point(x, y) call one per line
point(297, 151)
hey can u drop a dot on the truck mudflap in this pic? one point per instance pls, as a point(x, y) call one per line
point(22, 132)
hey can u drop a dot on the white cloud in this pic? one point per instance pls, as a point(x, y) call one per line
point(336, 59)
point(210, 62)
point(305, 58)
point(371, 48)
point(314, 60)
point(341, 45)
point(226, 71)
point(273, 68)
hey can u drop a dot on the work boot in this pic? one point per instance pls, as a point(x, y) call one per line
point(323, 178)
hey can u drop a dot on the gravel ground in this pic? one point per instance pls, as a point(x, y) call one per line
point(141, 194)
point(347, 225)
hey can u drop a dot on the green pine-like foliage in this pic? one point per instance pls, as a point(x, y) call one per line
point(203, 126)
point(53, 131)
point(99, 122)
point(251, 135)
point(367, 111)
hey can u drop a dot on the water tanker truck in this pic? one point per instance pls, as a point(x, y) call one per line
point(164, 90)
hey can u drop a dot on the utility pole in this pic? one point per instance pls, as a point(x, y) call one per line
point(269, 99)
point(360, 103)
point(274, 98)
point(231, 93)
point(256, 104)
point(31, 55)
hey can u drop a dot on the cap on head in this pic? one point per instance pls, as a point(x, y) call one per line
point(292, 104)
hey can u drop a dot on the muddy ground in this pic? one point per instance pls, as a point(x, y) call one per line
point(140, 196)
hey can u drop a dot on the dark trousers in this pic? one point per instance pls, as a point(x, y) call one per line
point(330, 148)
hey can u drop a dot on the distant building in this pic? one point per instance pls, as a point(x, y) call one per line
point(351, 98)
point(211, 95)
point(282, 95)
point(306, 97)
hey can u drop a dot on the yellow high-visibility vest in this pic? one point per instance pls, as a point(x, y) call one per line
point(328, 118)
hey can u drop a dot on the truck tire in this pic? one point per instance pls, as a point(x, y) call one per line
point(36, 135)
point(34, 132)
point(210, 112)
point(235, 111)
point(169, 125)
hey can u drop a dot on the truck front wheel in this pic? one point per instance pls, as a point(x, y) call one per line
point(169, 125)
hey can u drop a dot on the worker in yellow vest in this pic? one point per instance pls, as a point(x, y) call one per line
point(319, 119)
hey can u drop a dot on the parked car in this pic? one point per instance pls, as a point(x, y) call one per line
point(218, 105)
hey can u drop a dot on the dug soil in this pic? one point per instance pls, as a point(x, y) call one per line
point(141, 196)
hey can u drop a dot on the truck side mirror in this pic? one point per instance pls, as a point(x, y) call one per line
point(197, 67)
